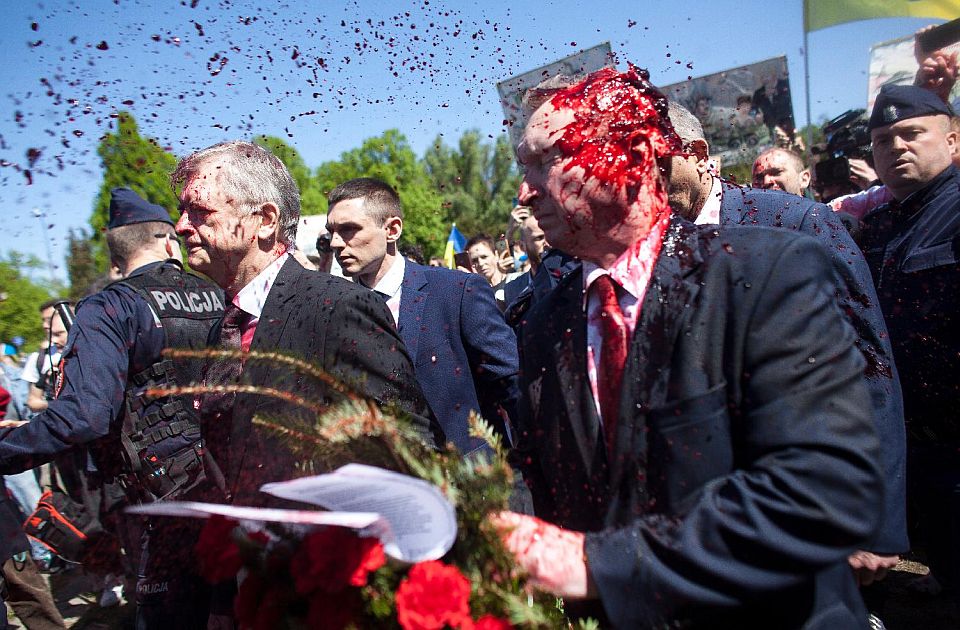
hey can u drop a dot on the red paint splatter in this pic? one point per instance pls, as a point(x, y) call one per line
point(613, 112)
point(216, 63)
point(103, 46)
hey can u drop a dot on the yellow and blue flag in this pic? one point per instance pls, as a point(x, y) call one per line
point(455, 243)
point(819, 14)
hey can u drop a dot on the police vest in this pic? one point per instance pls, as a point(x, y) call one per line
point(162, 447)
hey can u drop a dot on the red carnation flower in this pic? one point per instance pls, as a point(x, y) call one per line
point(218, 556)
point(489, 622)
point(333, 558)
point(434, 595)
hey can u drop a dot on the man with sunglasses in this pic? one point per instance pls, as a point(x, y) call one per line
point(113, 356)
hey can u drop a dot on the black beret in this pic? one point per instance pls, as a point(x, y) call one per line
point(900, 102)
point(127, 208)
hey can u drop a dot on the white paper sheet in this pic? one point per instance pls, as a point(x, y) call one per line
point(411, 517)
point(422, 521)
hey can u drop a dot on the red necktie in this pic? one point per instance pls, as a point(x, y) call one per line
point(613, 356)
point(225, 371)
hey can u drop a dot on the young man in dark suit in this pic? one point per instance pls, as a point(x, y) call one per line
point(239, 212)
point(464, 354)
point(694, 422)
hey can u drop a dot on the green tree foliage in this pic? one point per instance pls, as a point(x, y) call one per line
point(388, 157)
point(81, 266)
point(312, 200)
point(131, 160)
point(21, 300)
point(477, 180)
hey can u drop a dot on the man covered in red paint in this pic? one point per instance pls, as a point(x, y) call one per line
point(695, 430)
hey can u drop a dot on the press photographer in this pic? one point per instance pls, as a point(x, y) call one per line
point(847, 163)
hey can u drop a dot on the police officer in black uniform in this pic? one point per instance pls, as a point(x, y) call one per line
point(912, 245)
point(151, 445)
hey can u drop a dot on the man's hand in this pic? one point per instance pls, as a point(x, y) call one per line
point(12, 424)
point(505, 261)
point(553, 557)
point(861, 175)
point(938, 68)
point(869, 567)
point(518, 216)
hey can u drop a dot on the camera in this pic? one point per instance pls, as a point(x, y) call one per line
point(847, 137)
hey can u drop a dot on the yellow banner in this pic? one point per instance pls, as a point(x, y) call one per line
point(819, 14)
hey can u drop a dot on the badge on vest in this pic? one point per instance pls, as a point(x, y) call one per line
point(183, 302)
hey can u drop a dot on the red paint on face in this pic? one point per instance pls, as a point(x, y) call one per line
point(613, 111)
point(613, 127)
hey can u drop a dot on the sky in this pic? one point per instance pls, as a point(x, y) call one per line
point(326, 75)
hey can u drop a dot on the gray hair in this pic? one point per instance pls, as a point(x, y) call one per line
point(685, 123)
point(251, 175)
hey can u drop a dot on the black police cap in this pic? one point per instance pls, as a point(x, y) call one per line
point(127, 208)
point(900, 102)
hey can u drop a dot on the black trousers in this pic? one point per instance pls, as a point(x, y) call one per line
point(170, 592)
point(933, 476)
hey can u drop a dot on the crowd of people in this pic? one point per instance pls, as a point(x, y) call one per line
point(726, 406)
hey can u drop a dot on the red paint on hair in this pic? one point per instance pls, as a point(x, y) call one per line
point(613, 111)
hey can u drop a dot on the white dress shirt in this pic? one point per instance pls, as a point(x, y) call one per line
point(632, 272)
point(710, 213)
point(391, 285)
point(251, 298)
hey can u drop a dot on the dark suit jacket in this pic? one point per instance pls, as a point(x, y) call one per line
point(554, 265)
point(858, 299)
point(513, 289)
point(745, 465)
point(340, 327)
point(464, 354)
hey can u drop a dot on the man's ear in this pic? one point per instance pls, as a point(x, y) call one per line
point(953, 142)
point(804, 180)
point(394, 228)
point(269, 221)
point(701, 150)
point(642, 149)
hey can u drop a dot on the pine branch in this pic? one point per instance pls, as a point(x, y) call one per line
point(299, 365)
point(187, 390)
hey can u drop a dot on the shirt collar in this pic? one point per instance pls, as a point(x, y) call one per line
point(251, 298)
point(633, 268)
point(710, 213)
point(391, 281)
